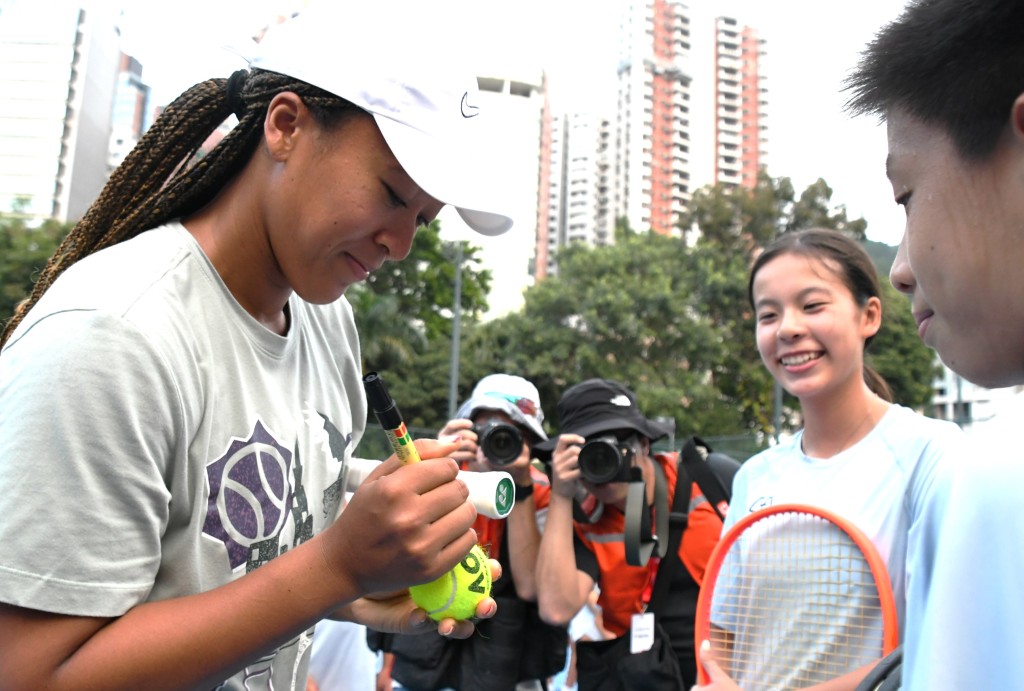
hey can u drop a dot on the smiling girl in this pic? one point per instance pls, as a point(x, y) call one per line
point(817, 302)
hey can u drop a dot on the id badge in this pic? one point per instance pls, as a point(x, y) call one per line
point(641, 633)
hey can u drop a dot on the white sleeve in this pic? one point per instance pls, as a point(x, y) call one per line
point(87, 419)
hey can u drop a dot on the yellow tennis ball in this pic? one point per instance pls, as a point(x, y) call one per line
point(456, 593)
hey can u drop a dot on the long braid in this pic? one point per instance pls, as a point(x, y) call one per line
point(158, 181)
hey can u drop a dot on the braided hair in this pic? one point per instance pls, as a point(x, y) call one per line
point(162, 180)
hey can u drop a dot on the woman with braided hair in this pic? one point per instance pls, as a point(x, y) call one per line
point(181, 394)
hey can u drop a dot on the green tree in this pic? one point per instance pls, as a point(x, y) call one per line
point(24, 250)
point(737, 219)
point(422, 388)
point(721, 287)
point(668, 317)
point(424, 282)
point(814, 209)
point(627, 312)
point(896, 352)
point(404, 315)
point(882, 255)
point(387, 342)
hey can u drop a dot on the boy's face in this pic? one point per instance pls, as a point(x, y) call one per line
point(961, 260)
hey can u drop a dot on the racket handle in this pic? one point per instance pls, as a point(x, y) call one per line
point(491, 493)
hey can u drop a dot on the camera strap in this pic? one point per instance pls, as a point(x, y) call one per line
point(640, 541)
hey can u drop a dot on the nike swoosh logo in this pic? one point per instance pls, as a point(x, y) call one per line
point(468, 111)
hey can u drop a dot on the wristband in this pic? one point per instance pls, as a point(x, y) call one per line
point(524, 492)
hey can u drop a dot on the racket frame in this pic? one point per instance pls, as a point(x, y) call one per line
point(887, 601)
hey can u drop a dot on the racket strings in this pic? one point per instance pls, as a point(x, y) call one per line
point(795, 603)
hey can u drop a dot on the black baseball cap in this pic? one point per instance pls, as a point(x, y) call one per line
point(601, 405)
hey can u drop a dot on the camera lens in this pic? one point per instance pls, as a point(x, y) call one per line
point(501, 443)
point(600, 460)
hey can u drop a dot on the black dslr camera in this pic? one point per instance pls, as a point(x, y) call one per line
point(607, 459)
point(501, 442)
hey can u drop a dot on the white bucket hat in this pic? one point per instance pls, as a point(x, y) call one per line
point(510, 394)
point(396, 66)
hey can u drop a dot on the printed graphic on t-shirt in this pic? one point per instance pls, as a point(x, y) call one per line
point(257, 484)
point(255, 487)
point(336, 443)
point(250, 497)
point(261, 674)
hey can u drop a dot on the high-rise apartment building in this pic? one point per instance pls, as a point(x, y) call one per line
point(548, 190)
point(740, 142)
point(576, 187)
point(58, 69)
point(652, 141)
point(687, 114)
point(131, 116)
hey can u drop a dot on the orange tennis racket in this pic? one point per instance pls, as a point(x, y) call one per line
point(792, 596)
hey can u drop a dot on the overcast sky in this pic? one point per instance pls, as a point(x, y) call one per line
point(811, 45)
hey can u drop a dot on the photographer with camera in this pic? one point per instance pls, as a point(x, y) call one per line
point(498, 426)
point(605, 447)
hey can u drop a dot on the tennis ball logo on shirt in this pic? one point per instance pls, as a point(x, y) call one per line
point(250, 497)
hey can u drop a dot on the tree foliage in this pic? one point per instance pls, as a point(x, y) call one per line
point(24, 250)
point(387, 340)
point(424, 282)
point(627, 312)
point(404, 315)
point(898, 354)
point(671, 319)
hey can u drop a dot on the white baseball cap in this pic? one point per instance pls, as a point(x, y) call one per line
point(512, 395)
point(399, 67)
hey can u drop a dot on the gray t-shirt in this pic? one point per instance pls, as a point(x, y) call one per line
point(156, 441)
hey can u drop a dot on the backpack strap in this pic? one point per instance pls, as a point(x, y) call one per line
point(695, 465)
point(706, 468)
point(677, 521)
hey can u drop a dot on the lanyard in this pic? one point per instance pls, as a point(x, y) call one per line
point(652, 574)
